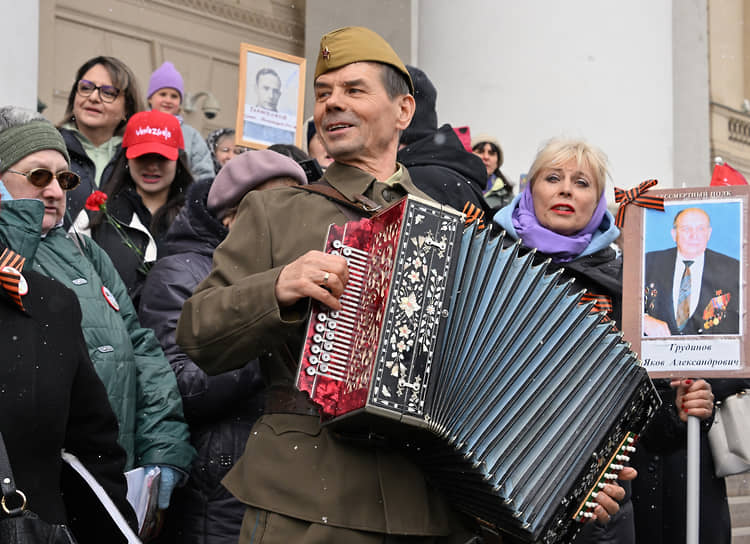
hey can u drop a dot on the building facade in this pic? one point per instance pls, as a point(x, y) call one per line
point(201, 37)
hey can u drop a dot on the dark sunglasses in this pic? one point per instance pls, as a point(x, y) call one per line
point(41, 177)
point(107, 93)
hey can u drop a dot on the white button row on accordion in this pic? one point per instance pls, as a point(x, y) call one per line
point(334, 330)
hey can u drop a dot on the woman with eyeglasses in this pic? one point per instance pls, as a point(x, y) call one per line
point(221, 144)
point(104, 95)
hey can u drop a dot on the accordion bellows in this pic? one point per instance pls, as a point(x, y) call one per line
point(515, 398)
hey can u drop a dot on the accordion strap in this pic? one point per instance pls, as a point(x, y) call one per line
point(364, 206)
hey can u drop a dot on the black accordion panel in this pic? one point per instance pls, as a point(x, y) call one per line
point(523, 401)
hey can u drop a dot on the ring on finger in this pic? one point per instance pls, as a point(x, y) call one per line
point(325, 279)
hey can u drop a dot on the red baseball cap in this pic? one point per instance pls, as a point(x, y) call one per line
point(153, 132)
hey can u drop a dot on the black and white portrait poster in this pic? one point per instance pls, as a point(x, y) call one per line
point(271, 98)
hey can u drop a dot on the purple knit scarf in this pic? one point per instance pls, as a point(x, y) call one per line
point(560, 247)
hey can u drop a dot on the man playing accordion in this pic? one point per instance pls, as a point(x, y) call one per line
point(303, 482)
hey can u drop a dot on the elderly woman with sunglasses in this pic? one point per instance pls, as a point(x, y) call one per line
point(140, 384)
point(102, 98)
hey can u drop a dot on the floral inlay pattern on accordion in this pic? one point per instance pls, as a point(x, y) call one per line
point(415, 310)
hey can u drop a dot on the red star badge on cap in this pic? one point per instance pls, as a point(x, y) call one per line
point(326, 53)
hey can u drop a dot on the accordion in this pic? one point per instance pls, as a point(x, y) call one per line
point(516, 399)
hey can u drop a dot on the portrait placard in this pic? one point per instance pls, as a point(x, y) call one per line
point(689, 263)
point(271, 97)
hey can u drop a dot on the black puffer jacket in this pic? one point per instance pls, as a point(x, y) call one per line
point(81, 164)
point(220, 409)
point(660, 491)
point(128, 209)
point(600, 274)
point(440, 166)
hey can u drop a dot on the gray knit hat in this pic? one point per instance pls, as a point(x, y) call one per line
point(23, 132)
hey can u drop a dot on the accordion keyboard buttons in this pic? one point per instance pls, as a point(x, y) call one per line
point(334, 329)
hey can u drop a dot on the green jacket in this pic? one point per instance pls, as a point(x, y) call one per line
point(140, 384)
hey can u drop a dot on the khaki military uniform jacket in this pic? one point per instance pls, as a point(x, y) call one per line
point(291, 465)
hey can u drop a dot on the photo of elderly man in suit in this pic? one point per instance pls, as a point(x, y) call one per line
point(690, 289)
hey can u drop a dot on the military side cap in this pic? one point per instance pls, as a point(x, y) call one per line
point(356, 44)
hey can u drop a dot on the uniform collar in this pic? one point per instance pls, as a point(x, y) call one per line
point(351, 181)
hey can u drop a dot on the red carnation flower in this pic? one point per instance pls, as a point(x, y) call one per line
point(96, 201)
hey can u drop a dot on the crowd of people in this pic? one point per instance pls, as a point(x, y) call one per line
point(188, 267)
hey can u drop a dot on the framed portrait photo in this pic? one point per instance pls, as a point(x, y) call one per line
point(270, 99)
point(689, 263)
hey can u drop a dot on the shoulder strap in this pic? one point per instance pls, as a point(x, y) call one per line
point(7, 483)
point(364, 206)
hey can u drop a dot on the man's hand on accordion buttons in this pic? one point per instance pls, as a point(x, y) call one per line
point(316, 275)
point(609, 497)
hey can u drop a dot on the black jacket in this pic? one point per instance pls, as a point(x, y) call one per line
point(135, 219)
point(52, 398)
point(599, 273)
point(81, 164)
point(660, 490)
point(440, 166)
point(220, 409)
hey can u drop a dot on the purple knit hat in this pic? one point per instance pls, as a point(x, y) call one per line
point(245, 172)
point(165, 75)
